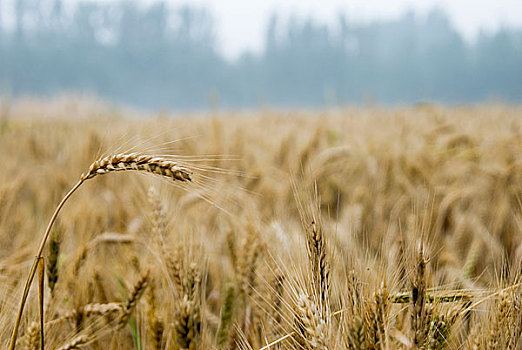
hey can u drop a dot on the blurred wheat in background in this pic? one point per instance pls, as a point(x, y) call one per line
point(331, 233)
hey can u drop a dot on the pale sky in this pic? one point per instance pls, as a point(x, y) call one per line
point(241, 23)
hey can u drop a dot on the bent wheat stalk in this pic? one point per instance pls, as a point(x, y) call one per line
point(119, 162)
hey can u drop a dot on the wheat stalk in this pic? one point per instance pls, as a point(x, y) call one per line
point(119, 162)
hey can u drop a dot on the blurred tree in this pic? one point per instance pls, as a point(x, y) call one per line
point(156, 55)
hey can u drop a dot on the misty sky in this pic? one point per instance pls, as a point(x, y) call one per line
point(240, 24)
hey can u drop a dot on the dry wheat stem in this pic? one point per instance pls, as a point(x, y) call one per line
point(32, 272)
point(119, 162)
point(277, 341)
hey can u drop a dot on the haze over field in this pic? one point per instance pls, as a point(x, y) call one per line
point(178, 55)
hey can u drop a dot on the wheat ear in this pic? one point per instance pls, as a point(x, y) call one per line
point(135, 295)
point(76, 343)
point(226, 315)
point(134, 161)
point(312, 328)
point(119, 162)
point(318, 258)
point(419, 315)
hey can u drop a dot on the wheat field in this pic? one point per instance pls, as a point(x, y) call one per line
point(365, 228)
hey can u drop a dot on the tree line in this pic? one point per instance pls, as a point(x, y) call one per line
point(159, 56)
